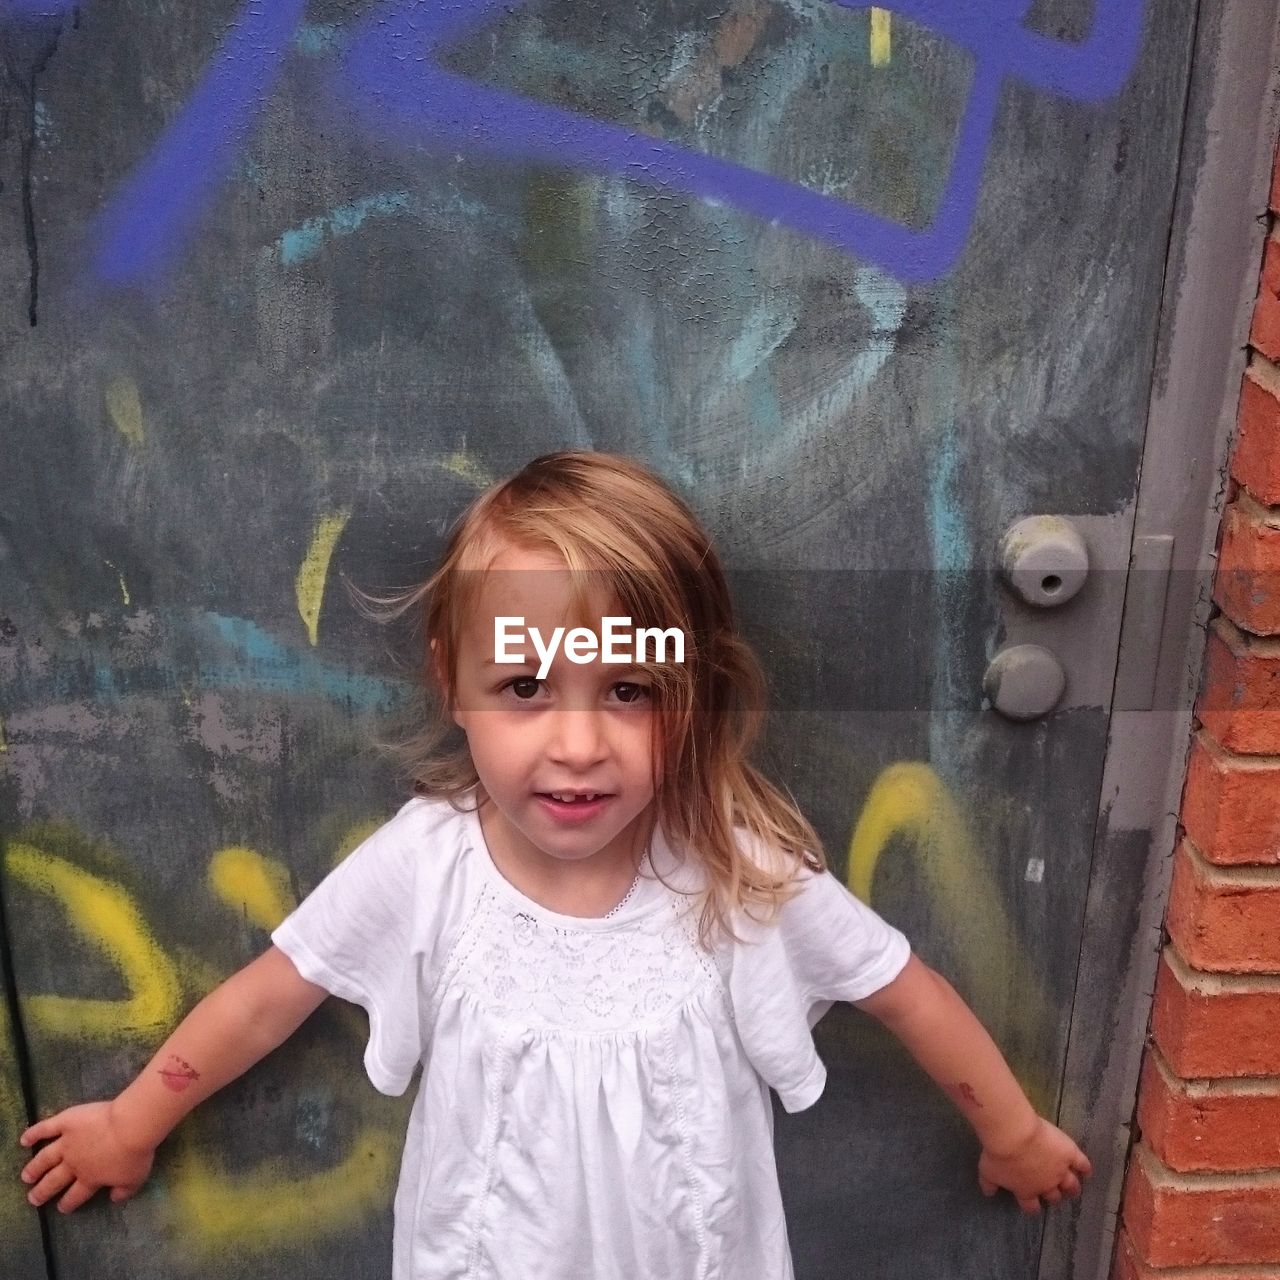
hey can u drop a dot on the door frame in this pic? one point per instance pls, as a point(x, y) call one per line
point(1230, 129)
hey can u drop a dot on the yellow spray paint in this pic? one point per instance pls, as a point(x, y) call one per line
point(910, 800)
point(465, 467)
point(257, 887)
point(103, 914)
point(125, 409)
point(265, 1207)
point(124, 588)
point(355, 837)
point(251, 884)
point(271, 1206)
point(315, 568)
point(881, 37)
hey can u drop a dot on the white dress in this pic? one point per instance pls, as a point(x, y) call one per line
point(594, 1101)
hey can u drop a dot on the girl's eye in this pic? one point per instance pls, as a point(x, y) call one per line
point(524, 687)
point(630, 692)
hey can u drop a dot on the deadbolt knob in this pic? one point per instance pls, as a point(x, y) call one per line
point(1024, 682)
point(1044, 560)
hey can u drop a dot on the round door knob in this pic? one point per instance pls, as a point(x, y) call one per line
point(1024, 682)
point(1044, 560)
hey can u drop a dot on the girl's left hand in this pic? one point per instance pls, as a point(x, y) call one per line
point(1046, 1163)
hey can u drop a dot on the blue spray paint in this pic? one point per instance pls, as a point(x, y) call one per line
point(150, 221)
point(951, 555)
point(259, 661)
point(389, 80)
point(235, 653)
point(415, 101)
point(949, 539)
point(32, 9)
point(402, 97)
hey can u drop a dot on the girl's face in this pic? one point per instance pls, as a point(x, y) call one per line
point(586, 728)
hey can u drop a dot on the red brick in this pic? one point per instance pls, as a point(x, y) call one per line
point(1265, 334)
point(1127, 1265)
point(1188, 1220)
point(1247, 585)
point(1224, 1025)
point(1220, 1126)
point(1255, 462)
point(1270, 282)
point(1224, 921)
point(1239, 700)
point(1231, 804)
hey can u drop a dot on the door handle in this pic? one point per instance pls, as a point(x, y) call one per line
point(1044, 561)
point(1024, 682)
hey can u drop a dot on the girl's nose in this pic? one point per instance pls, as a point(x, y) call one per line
point(577, 740)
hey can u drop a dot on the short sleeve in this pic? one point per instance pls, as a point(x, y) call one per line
point(824, 945)
point(356, 934)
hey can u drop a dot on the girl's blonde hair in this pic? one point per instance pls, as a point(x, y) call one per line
point(616, 526)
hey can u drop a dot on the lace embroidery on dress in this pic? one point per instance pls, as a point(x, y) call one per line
point(547, 977)
point(630, 893)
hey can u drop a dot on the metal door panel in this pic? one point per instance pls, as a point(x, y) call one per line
point(867, 287)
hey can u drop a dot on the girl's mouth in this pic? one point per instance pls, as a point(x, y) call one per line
point(569, 806)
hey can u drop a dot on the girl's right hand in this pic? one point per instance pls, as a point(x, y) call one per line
point(90, 1149)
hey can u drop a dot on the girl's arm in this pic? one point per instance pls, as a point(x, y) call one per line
point(101, 1144)
point(1021, 1150)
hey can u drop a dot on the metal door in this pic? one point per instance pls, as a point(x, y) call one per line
point(293, 282)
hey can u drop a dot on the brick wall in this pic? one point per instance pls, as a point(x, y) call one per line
point(1202, 1191)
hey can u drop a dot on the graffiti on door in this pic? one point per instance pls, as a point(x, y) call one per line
point(386, 77)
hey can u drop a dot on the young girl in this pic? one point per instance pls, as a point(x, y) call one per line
point(600, 931)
